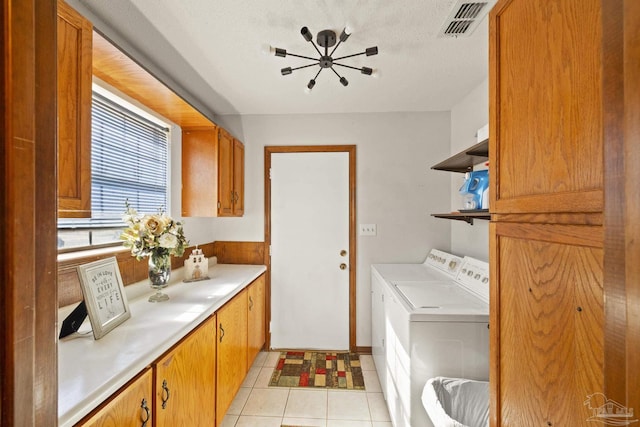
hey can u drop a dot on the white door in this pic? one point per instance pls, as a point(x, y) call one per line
point(309, 230)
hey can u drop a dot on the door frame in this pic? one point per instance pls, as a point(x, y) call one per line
point(351, 149)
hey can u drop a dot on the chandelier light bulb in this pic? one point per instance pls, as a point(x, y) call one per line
point(348, 28)
point(267, 49)
point(344, 35)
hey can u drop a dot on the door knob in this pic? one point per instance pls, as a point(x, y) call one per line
point(343, 266)
point(343, 253)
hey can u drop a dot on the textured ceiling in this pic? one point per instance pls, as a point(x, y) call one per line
point(214, 49)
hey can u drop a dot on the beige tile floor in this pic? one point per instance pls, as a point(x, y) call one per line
point(258, 405)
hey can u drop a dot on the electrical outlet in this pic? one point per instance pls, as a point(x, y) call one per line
point(368, 230)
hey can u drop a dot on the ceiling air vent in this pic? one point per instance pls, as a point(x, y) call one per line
point(465, 17)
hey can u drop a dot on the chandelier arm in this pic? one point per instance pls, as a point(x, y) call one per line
point(306, 66)
point(301, 56)
point(334, 49)
point(339, 76)
point(316, 47)
point(318, 73)
point(344, 57)
point(347, 66)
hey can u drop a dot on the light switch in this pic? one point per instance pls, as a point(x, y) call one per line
point(368, 230)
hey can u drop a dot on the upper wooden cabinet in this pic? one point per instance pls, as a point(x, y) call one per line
point(212, 173)
point(238, 178)
point(546, 126)
point(74, 113)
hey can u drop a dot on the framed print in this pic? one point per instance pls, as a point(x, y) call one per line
point(104, 295)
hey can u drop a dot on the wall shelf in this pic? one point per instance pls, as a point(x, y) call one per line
point(464, 160)
point(468, 217)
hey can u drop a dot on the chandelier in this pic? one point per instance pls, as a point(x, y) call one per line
point(326, 39)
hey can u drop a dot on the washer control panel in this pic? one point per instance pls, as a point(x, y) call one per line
point(445, 262)
point(474, 275)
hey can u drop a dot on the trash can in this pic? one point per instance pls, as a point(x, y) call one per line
point(456, 402)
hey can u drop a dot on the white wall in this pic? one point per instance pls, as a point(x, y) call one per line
point(469, 115)
point(396, 189)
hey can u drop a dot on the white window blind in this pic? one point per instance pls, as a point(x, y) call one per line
point(128, 162)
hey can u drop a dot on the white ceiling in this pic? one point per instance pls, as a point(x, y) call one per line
point(214, 50)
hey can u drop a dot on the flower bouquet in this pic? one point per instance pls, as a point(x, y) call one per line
point(158, 237)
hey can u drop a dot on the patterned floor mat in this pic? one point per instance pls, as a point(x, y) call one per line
point(318, 370)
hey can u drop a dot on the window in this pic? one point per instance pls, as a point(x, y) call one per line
point(128, 162)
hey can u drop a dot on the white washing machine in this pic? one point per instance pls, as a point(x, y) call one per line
point(429, 320)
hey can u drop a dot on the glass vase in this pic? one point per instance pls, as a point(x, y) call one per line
point(159, 273)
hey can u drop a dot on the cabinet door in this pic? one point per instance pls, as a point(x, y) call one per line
point(131, 407)
point(546, 142)
point(547, 342)
point(225, 173)
point(256, 319)
point(74, 113)
point(200, 172)
point(238, 178)
point(185, 380)
point(232, 351)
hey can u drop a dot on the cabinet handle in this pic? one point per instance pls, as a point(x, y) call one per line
point(237, 197)
point(165, 390)
point(233, 197)
point(250, 303)
point(146, 412)
point(221, 332)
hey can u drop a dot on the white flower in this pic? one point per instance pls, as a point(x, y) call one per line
point(168, 240)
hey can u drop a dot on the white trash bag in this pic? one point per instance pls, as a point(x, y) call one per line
point(456, 402)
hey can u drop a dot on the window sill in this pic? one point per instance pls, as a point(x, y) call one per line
point(68, 257)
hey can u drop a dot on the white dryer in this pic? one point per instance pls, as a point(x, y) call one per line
point(429, 320)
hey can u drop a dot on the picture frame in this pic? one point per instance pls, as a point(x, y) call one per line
point(104, 295)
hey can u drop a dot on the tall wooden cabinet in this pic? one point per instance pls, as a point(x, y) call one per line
point(232, 351)
point(74, 113)
point(546, 236)
point(212, 173)
point(185, 378)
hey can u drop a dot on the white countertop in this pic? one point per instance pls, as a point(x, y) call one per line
point(89, 371)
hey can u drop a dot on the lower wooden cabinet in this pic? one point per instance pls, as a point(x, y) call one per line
point(232, 351)
point(547, 345)
point(194, 383)
point(256, 319)
point(185, 380)
point(131, 407)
